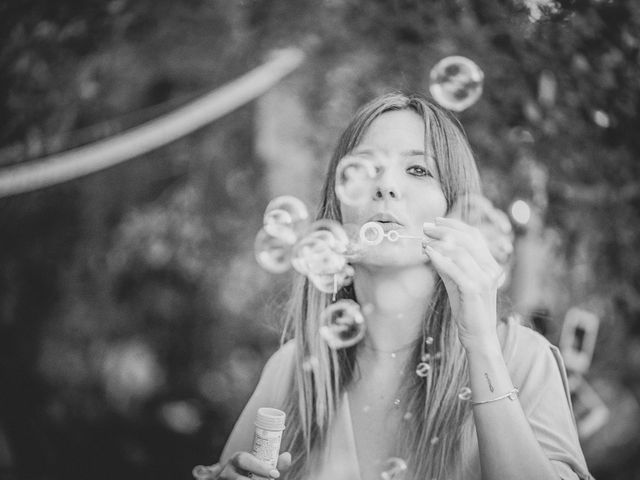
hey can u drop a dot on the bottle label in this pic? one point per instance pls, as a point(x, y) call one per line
point(266, 447)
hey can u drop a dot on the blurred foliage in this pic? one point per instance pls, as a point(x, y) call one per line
point(132, 315)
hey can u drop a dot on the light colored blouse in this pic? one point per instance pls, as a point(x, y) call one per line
point(535, 367)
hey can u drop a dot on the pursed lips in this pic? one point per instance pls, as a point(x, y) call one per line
point(388, 221)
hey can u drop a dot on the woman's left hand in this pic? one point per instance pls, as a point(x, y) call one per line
point(460, 255)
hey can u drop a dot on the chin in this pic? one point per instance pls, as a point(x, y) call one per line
point(391, 257)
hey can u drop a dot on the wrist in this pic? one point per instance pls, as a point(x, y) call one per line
point(483, 345)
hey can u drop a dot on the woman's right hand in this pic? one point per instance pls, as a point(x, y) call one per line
point(240, 466)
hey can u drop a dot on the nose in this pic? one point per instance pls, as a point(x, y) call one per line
point(382, 192)
point(386, 187)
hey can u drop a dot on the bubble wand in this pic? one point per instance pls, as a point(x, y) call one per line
point(372, 233)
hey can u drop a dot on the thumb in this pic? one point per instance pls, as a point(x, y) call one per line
point(284, 462)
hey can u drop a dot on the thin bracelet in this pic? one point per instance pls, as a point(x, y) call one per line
point(511, 395)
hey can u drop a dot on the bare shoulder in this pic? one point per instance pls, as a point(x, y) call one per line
point(278, 371)
point(282, 360)
point(271, 391)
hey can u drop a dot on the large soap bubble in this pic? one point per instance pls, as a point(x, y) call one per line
point(284, 217)
point(394, 468)
point(456, 83)
point(273, 253)
point(321, 251)
point(342, 324)
point(355, 180)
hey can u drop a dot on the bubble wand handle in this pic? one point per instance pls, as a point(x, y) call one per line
point(393, 236)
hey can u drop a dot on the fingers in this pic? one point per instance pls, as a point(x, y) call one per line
point(452, 231)
point(240, 467)
point(452, 258)
point(203, 472)
point(249, 463)
point(284, 462)
point(446, 268)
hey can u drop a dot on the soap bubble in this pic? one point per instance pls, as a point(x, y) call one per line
point(272, 253)
point(394, 469)
point(464, 394)
point(342, 324)
point(371, 233)
point(284, 216)
point(321, 251)
point(456, 83)
point(333, 283)
point(278, 223)
point(355, 180)
point(332, 232)
point(423, 369)
point(313, 256)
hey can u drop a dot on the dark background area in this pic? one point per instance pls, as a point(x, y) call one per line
point(134, 321)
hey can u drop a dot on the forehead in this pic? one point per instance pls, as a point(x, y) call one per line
point(397, 128)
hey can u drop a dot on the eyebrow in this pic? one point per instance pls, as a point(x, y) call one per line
point(406, 153)
point(413, 153)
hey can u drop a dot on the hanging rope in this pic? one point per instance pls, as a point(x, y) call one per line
point(106, 153)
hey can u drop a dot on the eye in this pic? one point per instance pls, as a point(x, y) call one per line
point(419, 171)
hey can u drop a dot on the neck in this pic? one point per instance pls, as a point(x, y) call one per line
point(395, 302)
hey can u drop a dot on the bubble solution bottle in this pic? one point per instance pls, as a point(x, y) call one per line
point(266, 442)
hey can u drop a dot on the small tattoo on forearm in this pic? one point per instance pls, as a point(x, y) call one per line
point(488, 381)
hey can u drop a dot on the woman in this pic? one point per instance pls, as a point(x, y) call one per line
point(357, 407)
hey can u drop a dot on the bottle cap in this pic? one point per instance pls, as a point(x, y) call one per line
point(270, 419)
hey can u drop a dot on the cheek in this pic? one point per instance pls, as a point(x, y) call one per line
point(433, 205)
point(351, 214)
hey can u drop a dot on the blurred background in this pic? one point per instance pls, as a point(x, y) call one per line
point(134, 319)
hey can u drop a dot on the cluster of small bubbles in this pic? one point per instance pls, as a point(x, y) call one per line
point(355, 180)
point(396, 402)
point(321, 256)
point(428, 340)
point(272, 253)
point(310, 364)
point(456, 83)
point(394, 468)
point(321, 251)
point(342, 324)
point(464, 394)
point(434, 440)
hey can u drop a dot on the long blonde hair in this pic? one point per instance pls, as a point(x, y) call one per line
point(438, 418)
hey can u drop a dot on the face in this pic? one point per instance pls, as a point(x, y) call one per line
point(407, 194)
